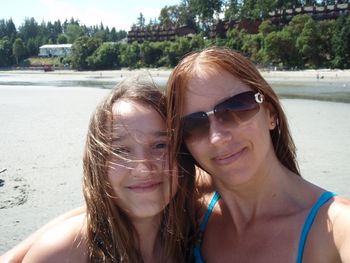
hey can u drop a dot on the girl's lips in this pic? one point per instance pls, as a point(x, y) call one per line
point(229, 158)
point(144, 187)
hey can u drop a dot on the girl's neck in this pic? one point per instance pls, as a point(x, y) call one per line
point(147, 230)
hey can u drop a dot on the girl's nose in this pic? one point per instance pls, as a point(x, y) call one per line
point(142, 168)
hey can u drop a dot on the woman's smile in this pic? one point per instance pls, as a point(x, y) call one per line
point(229, 158)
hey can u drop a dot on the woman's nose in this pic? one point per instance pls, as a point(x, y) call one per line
point(218, 134)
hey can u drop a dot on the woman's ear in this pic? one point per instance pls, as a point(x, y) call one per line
point(272, 116)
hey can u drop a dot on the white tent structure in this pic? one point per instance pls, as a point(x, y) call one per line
point(59, 50)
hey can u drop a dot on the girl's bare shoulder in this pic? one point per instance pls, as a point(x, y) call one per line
point(66, 242)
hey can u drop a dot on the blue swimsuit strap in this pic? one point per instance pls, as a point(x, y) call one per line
point(197, 248)
point(205, 220)
point(309, 221)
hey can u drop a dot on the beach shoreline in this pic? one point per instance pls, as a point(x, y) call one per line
point(300, 74)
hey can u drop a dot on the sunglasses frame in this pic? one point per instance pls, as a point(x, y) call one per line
point(258, 97)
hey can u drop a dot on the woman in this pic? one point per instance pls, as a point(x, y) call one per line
point(227, 120)
point(136, 210)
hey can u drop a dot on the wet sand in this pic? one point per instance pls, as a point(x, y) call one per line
point(42, 138)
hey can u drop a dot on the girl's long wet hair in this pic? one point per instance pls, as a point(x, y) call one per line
point(111, 235)
point(240, 67)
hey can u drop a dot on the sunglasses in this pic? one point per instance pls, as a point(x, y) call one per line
point(236, 109)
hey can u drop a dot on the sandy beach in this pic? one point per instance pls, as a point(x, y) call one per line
point(43, 131)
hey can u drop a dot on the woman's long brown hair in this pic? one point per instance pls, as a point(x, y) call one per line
point(240, 67)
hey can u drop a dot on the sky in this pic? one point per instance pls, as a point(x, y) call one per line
point(120, 14)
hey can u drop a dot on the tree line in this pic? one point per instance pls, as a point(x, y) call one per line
point(16, 45)
point(303, 43)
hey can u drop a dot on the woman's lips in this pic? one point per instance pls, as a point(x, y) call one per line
point(144, 187)
point(229, 158)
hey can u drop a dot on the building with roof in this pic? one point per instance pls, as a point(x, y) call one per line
point(59, 50)
point(158, 33)
point(281, 17)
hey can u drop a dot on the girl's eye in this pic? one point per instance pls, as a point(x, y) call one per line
point(160, 146)
point(159, 149)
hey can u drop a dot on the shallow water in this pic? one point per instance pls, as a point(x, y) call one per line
point(327, 90)
point(316, 90)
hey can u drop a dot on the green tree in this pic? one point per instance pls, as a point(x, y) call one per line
point(296, 25)
point(252, 44)
point(82, 48)
point(141, 20)
point(177, 50)
point(113, 36)
point(169, 16)
point(18, 49)
point(177, 15)
point(327, 29)
point(235, 39)
point(266, 27)
point(232, 9)
point(197, 42)
point(130, 55)
point(280, 49)
point(341, 43)
point(32, 47)
point(5, 52)
point(105, 57)
point(62, 39)
point(30, 29)
point(308, 44)
point(254, 9)
point(206, 11)
point(150, 54)
point(73, 32)
point(8, 29)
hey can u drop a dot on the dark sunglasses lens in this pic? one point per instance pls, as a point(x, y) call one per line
point(196, 124)
point(241, 107)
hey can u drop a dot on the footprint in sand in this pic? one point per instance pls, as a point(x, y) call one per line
point(13, 190)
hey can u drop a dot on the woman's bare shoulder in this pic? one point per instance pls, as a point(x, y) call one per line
point(66, 242)
point(331, 232)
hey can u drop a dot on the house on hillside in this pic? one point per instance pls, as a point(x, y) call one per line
point(281, 17)
point(158, 33)
point(59, 50)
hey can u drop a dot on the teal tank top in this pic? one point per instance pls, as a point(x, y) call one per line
point(324, 198)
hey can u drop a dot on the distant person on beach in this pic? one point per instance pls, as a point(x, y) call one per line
point(135, 211)
point(226, 119)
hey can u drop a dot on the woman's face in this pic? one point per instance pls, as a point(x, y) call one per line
point(138, 170)
point(231, 151)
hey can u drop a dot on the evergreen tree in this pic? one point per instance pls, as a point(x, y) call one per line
point(18, 49)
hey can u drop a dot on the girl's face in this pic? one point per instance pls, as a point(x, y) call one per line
point(138, 170)
point(232, 150)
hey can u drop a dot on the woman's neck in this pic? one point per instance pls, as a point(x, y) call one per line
point(246, 203)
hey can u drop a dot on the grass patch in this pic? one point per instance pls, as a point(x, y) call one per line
point(39, 61)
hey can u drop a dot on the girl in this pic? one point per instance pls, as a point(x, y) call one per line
point(136, 210)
